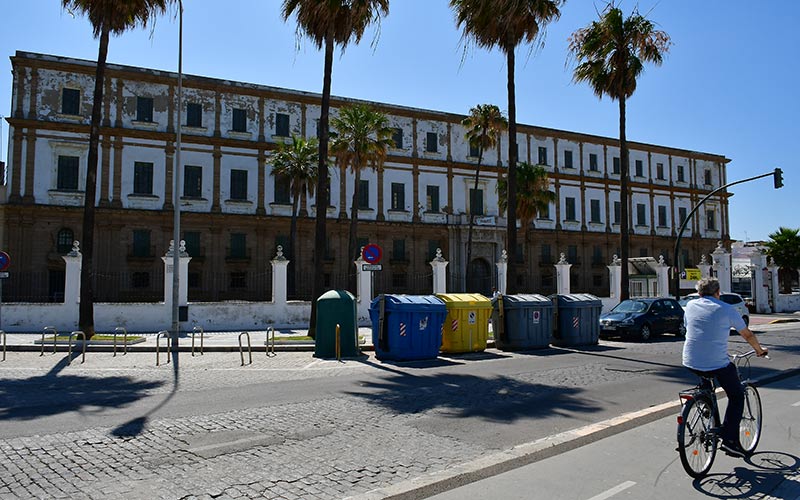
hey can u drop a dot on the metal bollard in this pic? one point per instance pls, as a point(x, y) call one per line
point(338, 342)
point(69, 348)
point(55, 334)
point(195, 330)
point(249, 348)
point(165, 334)
point(4, 344)
point(124, 340)
point(270, 347)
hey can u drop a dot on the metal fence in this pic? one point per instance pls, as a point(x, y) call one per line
point(130, 286)
point(402, 283)
point(32, 287)
point(304, 284)
point(254, 286)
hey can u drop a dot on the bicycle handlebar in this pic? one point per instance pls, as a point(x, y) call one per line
point(734, 357)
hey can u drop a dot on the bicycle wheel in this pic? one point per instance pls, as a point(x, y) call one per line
point(750, 427)
point(697, 439)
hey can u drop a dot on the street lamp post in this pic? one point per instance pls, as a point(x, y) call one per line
point(176, 198)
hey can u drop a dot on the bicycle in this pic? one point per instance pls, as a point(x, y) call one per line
point(699, 426)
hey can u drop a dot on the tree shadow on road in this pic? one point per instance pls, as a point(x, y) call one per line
point(495, 399)
point(55, 392)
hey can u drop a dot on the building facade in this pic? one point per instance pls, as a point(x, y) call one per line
point(235, 212)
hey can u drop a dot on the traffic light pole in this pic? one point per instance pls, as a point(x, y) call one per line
point(676, 278)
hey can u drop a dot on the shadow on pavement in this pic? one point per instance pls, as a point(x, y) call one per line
point(55, 393)
point(496, 399)
point(770, 470)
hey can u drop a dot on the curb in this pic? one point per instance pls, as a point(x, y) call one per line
point(527, 453)
point(783, 320)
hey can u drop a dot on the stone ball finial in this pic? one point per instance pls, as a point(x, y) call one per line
point(703, 260)
point(182, 246)
point(76, 249)
point(562, 259)
point(504, 256)
point(661, 260)
point(615, 260)
point(279, 253)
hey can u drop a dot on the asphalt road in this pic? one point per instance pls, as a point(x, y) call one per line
point(642, 464)
point(291, 426)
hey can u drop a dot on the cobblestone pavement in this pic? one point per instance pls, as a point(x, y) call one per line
point(326, 448)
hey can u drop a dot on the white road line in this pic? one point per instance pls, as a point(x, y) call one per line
point(796, 404)
point(613, 491)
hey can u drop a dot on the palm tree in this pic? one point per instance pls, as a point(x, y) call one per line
point(611, 54)
point(329, 23)
point(297, 162)
point(363, 139)
point(484, 125)
point(106, 18)
point(534, 196)
point(784, 248)
point(506, 24)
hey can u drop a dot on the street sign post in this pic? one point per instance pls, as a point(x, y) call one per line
point(5, 262)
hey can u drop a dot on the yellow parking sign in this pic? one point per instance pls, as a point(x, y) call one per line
point(693, 274)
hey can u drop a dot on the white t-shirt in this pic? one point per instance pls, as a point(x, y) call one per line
point(708, 323)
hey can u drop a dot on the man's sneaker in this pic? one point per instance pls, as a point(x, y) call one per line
point(733, 449)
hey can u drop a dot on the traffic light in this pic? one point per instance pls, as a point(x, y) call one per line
point(778, 178)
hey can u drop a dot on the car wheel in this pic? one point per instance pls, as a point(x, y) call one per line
point(645, 334)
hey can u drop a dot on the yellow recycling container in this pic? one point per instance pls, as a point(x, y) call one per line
point(466, 327)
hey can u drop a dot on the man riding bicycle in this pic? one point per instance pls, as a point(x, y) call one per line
point(708, 322)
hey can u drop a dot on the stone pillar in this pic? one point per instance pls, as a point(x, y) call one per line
point(662, 271)
point(72, 281)
point(183, 290)
point(760, 286)
point(772, 268)
point(562, 275)
point(363, 288)
point(722, 267)
point(502, 273)
point(704, 267)
point(615, 277)
point(280, 265)
point(439, 266)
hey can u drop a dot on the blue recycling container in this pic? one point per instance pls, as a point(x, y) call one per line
point(578, 320)
point(410, 327)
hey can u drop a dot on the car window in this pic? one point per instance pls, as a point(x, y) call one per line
point(730, 299)
point(628, 306)
point(670, 305)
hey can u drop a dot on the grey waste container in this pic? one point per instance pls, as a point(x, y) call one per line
point(577, 319)
point(522, 322)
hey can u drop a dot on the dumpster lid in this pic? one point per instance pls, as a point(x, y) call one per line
point(337, 295)
point(394, 302)
point(578, 299)
point(464, 299)
point(525, 299)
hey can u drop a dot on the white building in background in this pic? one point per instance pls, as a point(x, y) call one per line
point(235, 212)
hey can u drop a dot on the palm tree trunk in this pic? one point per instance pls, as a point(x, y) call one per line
point(624, 236)
point(323, 196)
point(511, 229)
point(86, 308)
point(292, 245)
point(353, 240)
point(472, 213)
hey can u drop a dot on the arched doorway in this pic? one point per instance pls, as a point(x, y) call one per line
point(480, 277)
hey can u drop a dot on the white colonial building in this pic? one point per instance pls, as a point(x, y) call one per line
point(235, 212)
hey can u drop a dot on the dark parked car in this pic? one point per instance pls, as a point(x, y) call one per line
point(643, 318)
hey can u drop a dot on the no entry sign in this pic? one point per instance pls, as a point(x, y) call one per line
point(5, 261)
point(372, 253)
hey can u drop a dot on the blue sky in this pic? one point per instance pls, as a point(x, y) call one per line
point(728, 85)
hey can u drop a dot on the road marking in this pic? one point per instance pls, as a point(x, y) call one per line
point(613, 491)
point(796, 404)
